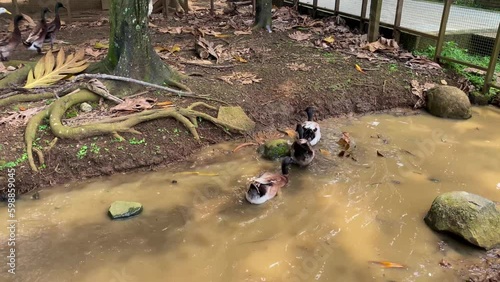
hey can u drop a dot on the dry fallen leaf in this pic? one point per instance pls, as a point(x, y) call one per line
point(242, 77)
point(329, 39)
point(21, 117)
point(358, 68)
point(100, 45)
point(388, 264)
point(134, 104)
point(324, 152)
point(297, 67)
point(170, 30)
point(382, 44)
point(299, 36)
point(244, 145)
point(380, 154)
point(242, 32)
point(240, 59)
point(94, 53)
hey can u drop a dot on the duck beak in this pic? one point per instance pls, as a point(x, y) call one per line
point(8, 12)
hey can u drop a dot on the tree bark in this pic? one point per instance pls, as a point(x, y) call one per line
point(130, 51)
point(263, 14)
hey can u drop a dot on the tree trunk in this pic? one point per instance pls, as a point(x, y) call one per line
point(263, 14)
point(130, 51)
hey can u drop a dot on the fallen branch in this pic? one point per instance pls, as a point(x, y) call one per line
point(140, 82)
point(25, 98)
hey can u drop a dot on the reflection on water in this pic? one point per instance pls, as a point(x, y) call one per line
point(327, 225)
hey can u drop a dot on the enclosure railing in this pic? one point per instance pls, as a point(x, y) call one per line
point(438, 21)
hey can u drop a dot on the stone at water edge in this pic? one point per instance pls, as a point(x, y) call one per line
point(472, 217)
point(122, 209)
point(85, 107)
point(448, 102)
point(275, 149)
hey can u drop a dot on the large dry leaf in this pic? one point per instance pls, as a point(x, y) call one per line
point(207, 48)
point(422, 63)
point(49, 70)
point(420, 91)
point(299, 36)
point(21, 117)
point(242, 77)
point(382, 44)
point(134, 104)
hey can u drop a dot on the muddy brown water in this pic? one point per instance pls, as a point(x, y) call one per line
point(328, 224)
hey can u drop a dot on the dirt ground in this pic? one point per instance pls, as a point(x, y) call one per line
point(326, 78)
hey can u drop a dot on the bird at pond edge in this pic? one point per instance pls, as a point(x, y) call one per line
point(311, 128)
point(268, 184)
point(302, 152)
point(10, 44)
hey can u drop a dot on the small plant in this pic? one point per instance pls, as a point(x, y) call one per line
point(15, 163)
point(94, 148)
point(120, 148)
point(393, 67)
point(82, 153)
point(42, 127)
point(134, 141)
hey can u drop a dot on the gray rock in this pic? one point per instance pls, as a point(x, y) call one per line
point(472, 217)
point(121, 209)
point(448, 102)
point(85, 107)
point(275, 149)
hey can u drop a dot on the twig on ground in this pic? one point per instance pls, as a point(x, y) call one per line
point(209, 66)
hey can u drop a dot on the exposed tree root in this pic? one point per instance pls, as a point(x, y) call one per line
point(25, 98)
point(187, 116)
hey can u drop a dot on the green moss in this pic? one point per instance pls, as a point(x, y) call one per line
point(275, 149)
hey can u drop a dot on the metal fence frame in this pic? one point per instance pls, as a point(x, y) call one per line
point(374, 21)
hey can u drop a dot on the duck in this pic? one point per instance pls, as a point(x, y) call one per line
point(4, 11)
point(302, 152)
point(37, 36)
point(54, 26)
point(9, 45)
point(268, 184)
point(311, 128)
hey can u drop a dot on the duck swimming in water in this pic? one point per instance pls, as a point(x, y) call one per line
point(10, 44)
point(302, 151)
point(267, 185)
point(311, 128)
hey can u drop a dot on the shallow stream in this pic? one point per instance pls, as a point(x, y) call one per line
point(329, 224)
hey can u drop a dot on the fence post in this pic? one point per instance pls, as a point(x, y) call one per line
point(337, 6)
point(442, 29)
point(364, 6)
point(396, 33)
point(493, 62)
point(373, 29)
point(315, 8)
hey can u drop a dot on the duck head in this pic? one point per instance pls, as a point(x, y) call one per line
point(17, 19)
point(59, 5)
point(4, 11)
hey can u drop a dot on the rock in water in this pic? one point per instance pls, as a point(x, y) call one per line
point(448, 102)
point(469, 216)
point(121, 209)
point(275, 149)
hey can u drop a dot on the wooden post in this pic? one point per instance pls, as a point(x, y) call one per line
point(315, 8)
point(337, 6)
point(442, 29)
point(16, 7)
point(68, 9)
point(364, 7)
point(396, 33)
point(165, 4)
point(493, 61)
point(375, 11)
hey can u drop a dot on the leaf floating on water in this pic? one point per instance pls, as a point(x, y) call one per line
point(50, 70)
point(388, 264)
point(380, 154)
point(344, 141)
point(290, 132)
point(324, 152)
point(199, 173)
point(244, 145)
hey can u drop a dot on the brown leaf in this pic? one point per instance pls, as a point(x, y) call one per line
point(324, 152)
point(382, 44)
point(242, 77)
point(243, 32)
point(445, 263)
point(244, 145)
point(298, 67)
point(299, 36)
point(92, 52)
point(380, 154)
point(388, 264)
point(21, 117)
point(422, 63)
point(134, 104)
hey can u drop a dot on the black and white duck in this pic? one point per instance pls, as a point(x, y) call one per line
point(311, 128)
point(268, 184)
point(302, 152)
